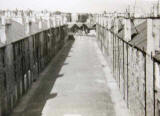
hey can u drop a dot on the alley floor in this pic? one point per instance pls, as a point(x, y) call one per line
point(77, 82)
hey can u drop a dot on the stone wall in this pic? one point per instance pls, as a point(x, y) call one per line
point(22, 61)
point(133, 68)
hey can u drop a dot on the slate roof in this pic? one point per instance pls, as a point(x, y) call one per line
point(2, 44)
point(84, 26)
point(70, 25)
point(120, 29)
point(140, 39)
point(157, 55)
point(74, 26)
point(133, 29)
point(112, 28)
point(94, 25)
point(80, 25)
point(90, 26)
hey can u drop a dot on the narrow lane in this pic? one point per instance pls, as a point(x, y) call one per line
point(74, 84)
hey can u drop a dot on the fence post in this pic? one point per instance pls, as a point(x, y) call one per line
point(145, 85)
point(123, 73)
point(31, 57)
point(154, 86)
point(10, 81)
point(127, 78)
point(127, 37)
point(149, 71)
point(127, 29)
point(116, 47)
point(113, 56)
point(118, 74)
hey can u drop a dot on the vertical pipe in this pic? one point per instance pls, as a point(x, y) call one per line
point(118, 64)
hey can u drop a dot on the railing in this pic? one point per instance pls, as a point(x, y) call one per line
point(22, 61)
point(134, 70)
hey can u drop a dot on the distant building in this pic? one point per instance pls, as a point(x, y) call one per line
point(82, 17)
point(74, 17)
point(17, 24)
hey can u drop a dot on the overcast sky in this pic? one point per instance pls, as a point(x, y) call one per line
point(67, 5)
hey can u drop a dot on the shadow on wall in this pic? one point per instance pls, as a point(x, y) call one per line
point(39, 97)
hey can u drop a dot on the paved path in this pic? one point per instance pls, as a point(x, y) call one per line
point(74, 84)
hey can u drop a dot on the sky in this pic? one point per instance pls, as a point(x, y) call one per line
point(68, 5)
